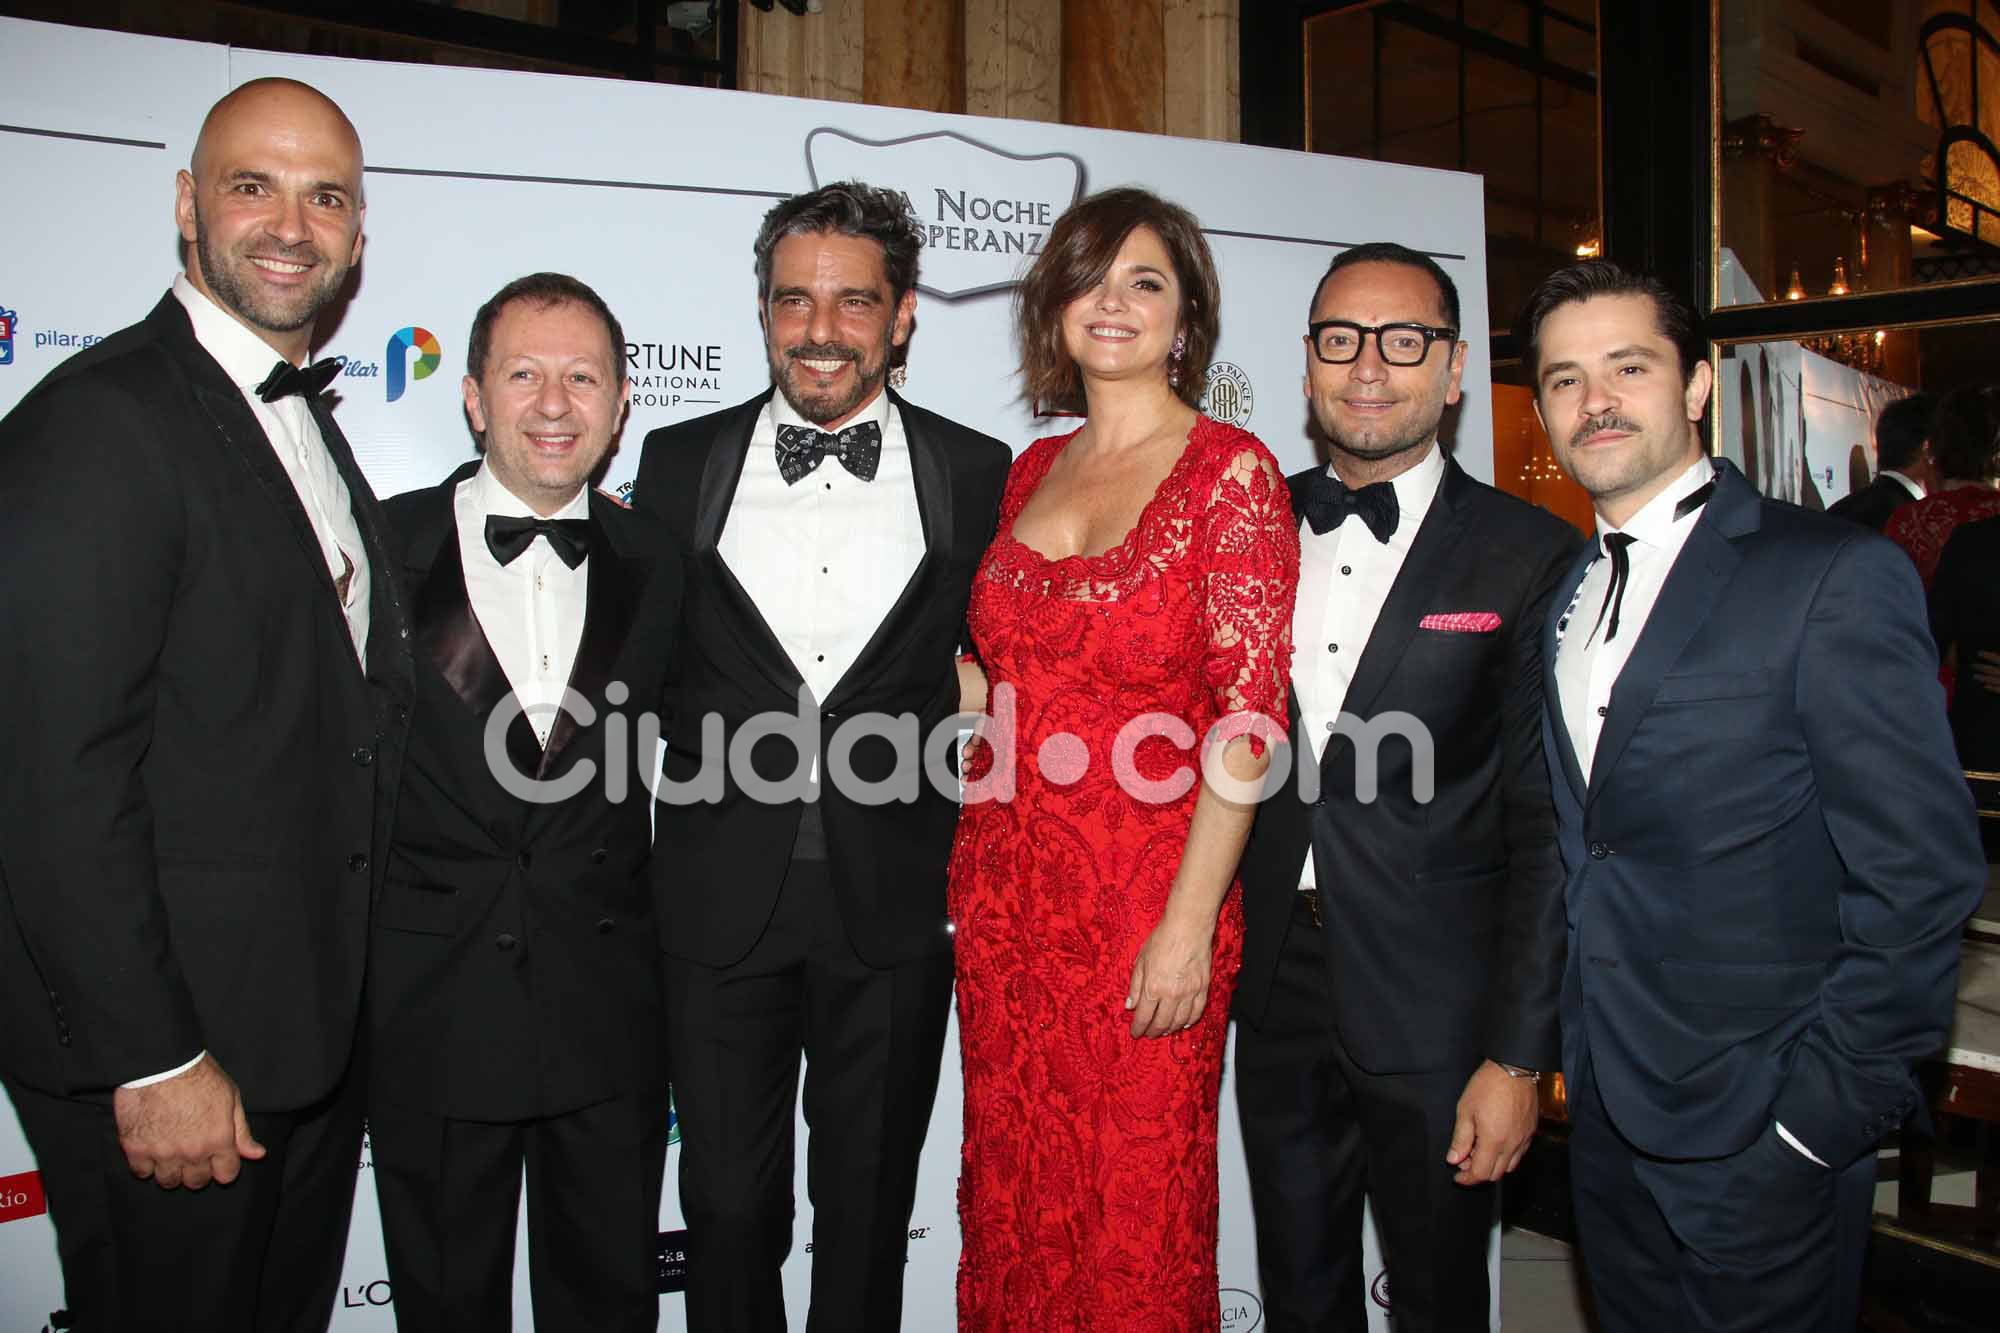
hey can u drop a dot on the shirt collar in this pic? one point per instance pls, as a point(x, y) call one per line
point(877, 411)
point(243, 356)
point(1655, 521)
point(490, 496)
point(1414, 486)
point(1910, 484)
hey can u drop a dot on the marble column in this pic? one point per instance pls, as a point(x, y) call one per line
point(1114, 64)
point(916, 54)
point(1203, 99)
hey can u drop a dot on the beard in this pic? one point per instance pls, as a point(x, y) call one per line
point(825, 408)
point(1375, 443)
point(227, 277)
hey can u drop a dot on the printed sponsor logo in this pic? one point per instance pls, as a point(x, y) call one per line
point(21, 1196)
point(985, 212)
point(9, 321)
point(674, 374)
point(1228, 398)
point(1242, 1311)
point(421, 344)
point(673, 1261)
point(1378, 1290)
point(367, 1295)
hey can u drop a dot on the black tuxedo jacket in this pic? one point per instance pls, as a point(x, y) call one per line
point(1443, 936)
point(720, 861)
point(195, 776)
point(515, 965)
point(1872, 504)
point(1768, 870)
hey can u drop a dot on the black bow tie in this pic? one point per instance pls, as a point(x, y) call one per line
point(801, 449)
point(1619, 545)
point(309, 382)
point(1330, 501)
point(570, 538)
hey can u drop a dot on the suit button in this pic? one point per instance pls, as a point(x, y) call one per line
point(364, 756)
point(504, 941)
point(525, 859)
point(1598, 851)
point(358, 862)
point(606, 925)
point(598, 856)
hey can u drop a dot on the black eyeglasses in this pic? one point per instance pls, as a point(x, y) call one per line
point(1338, 342)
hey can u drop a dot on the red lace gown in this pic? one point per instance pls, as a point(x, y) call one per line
point(1087, 1194)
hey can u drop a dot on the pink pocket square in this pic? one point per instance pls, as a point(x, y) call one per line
point(1461, 622)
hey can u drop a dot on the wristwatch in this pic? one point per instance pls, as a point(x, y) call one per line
point(1515, 1071)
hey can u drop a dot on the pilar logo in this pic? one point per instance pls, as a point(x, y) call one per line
point(9, 321)
point(985, 212)
point(21, 1196)
point(423, 344)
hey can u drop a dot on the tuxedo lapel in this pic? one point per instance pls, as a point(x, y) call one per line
point(932, 470)
point(1552, 698)
point(1693, 587)
point(450, 638)
point(719, 477)
point(613, 584)
point(1430, 555)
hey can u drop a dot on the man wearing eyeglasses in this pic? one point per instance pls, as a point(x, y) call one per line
point(1403, 900)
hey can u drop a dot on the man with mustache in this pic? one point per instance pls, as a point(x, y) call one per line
point(1397, 1000)
point(1767, 870)
point(208, 667)
point(829, 529)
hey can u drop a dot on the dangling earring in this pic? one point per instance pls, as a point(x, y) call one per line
point(1174, 359)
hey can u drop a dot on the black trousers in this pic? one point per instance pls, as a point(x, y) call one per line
point(1320, 1133)
point(261, 1254)
point(450, 1194)
point(873, 1040)
point(1763, 1241)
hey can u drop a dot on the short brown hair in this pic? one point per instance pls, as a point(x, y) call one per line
point(1079, 251)
point(545, 290)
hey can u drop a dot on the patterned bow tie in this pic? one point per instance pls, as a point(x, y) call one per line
point(570, 538)
point(801, 448)
point(310, 381)
point(1330, 501)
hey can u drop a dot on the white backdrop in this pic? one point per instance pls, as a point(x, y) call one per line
point(652, 195)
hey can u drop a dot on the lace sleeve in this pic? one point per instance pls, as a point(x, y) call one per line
point(1250, 559)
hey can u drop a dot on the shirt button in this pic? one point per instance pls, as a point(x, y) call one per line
point(1333, 647)
point(1603, 711)
point(824, 570)
point(820, 658)
point(1347, 569)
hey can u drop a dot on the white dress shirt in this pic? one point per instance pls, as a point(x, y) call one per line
point(1344, 577)
point(1910, 484)
point(294, 435)
point(1586, 666)
point(531, 610)
point(826, 558)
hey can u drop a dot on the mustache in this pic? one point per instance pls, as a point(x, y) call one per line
point(1607, 421)
point(823, 352)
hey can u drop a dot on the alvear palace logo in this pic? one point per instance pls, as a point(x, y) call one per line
point(985, 211)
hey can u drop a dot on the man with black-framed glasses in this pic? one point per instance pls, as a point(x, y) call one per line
point(1402, 901)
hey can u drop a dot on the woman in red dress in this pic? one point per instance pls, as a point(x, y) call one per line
point(1134, 617)
point(1965, 441)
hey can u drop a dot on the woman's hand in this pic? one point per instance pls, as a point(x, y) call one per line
point(1170, 978)
point(971, 686)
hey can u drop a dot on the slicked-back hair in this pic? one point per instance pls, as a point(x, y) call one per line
point(1601, 277)
point(1389, 252)
point(1965, 433)
point(846, 208)
point(1078, 253)
point(543, 290)
point(1902, 428)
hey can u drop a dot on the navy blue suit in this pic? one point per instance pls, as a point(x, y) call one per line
point(1767, 877)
